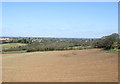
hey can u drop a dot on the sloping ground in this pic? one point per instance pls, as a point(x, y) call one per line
point(90, 65)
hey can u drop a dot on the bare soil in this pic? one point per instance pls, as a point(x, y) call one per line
point(90, 65)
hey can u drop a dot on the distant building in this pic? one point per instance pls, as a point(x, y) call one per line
point(4, 38)
point(39, 40)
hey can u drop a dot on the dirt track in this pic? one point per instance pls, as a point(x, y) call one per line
point(92, 65)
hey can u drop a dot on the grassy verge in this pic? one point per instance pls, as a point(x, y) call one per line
point(113, 51)
point(9, 52)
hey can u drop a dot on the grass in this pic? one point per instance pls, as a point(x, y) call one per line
point(11, 45)
point(9, 52)
point(113, 51)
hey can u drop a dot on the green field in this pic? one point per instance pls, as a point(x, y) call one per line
point(11, 45)
point(113, 51)
point(9, 52)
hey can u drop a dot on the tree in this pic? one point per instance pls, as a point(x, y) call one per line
point(106, 42)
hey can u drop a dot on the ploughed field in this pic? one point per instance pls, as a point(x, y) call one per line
point(89, 65)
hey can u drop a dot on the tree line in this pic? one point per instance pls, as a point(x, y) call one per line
point(51, 44)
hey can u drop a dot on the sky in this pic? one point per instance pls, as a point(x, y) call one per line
point(59, 19)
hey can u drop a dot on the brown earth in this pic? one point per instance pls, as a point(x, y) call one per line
point(90, 65)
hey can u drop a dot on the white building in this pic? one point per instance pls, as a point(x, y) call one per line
point(4, 38)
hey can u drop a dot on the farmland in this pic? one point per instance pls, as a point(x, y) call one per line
point(89, 65)
point(11, 45)
point(60, 59)
point(59, 41)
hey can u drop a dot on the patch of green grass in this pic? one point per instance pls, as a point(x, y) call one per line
point(113, 51)
point(11, 45)
point(10, 52)
point(41, 43)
